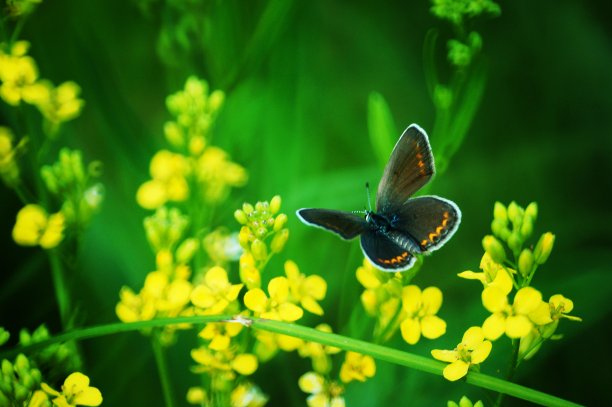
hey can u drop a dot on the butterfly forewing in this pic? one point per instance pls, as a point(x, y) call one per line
point(347, 225)
point(429, 220)
point(410, 166)
point(385, 254)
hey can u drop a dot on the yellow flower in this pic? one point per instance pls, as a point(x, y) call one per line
point(560, 307)
point(215, 293)
point(217, 174)
point(472, 350)
point(305, 290)
point(220, 334)
point(493, 274)
point(75, 392)
point(34, 227)
point(357, 367)
point(278, 306)
point(18, 73)
point(268, 344)
point(249, 274)
point(197, 395)
point(57, 104)
point(224, 363)
point(510, 319)
point(322, 392)
point(318, 353)
point(420, 309)
point(380, 288)
point(39, 399)
point(168, 171)
point(247, 394)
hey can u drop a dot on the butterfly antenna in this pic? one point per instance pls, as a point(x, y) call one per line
point(368, 194)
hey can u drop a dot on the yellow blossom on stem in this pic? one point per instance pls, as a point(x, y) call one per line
point(247, 394)
point(35, 227)
point(472, 350)
point(323, 393)
point(220, 334)
point(215, 293)
point(318, 353)
point(305, 290)
point(560, 307)
point(357, 367)
point(513, 320)
point(75, 392)
point(225, 363)
point(249, 274)
point(168, 172)
point(57, 104)
point(380, 288)
point(268, 344)
point(18, 73)
point(420, 310)
point(278, 306)
point(217, 174)
point(493, 274)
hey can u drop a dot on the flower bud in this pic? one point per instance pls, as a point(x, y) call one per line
point(279, 240)
point(275, 204)
point(526, 228)
point(186, 250)
point(495, 249)
point(544, 247)
point(500, 212)
point(163, 259)
point(515, 242)
point(248, 208)
point(500, 228)
point(279, 222)
point(259, 250)
point(174, 134)
point(525, 262)
point(531, 211)
point(515, 213)
point(240, 216)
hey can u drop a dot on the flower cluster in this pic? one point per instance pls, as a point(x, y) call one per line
point(21, 83)
point(394, 305)
point(526, 318)
point(195, 167)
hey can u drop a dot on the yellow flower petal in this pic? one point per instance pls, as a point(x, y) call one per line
point(526, 300)
point(433, 327)
point(279, 289)
point(245, 364)
point(411, 299)
point(88, 397)
point(315, 286)
point(432, 300)
point(151, 194)
point(518, 326)
point(494, 326)
point(290, 312)
point(444, 355)
point(473, 336)
point(311, 383)
point(471, 275)
point(291, 270)
point(455, 370)
point(216, 278)
point(411, 330)
point(219, 342)
point(494, 299)
point(368, 275)
point(256, 300)
point(503, 281)
point(559, 301)
point(481, 352)
point(311, 305)
point(541, 315)
point(202, 297)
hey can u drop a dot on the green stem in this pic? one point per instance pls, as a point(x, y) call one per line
point(162, 368)
point(62, 293)
point(511, 369)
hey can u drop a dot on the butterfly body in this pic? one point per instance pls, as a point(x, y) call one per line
point(401, 227)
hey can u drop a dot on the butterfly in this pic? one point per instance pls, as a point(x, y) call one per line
point(401, 227)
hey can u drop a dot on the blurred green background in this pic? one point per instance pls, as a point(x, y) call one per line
point(296, 118)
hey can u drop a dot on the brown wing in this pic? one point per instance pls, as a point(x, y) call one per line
point(410, 166)
point(345, 224)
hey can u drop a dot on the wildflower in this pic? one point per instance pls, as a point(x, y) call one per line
point(57, 104)
point(544, 248)
point(560, 307)
point(18, 73)
point(472, 350)
point(215, 293)
point(305, 290)
point(247, 394)
point(75, 392)
point(323, 393)
point(318, 353)
point(511, 319)
point(268, 344)
point(168, 172)
point(219, 334)
point(493, 274)
point(35, 227)
point(421, 308)
point(217, 174)
point(165, 228)
point(249, 274)
point(380, 288)
point(224, 363)
point(357, 367)
point(277, 306)
point(9, 171)
point(198, 396)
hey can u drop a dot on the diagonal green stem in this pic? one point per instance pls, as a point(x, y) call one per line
point(162, 368)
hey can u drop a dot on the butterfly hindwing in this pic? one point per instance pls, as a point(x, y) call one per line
point(410, 166)
point(385, 254)
point(429, 220)
point(345, 224)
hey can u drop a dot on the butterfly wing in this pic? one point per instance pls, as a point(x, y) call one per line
point(410, 166)
point(345, 224)
point(429, 220)
point(384, 254)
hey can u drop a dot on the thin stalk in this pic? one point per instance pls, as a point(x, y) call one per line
point(511, 369)
point(60, 284)
point(162, 368)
